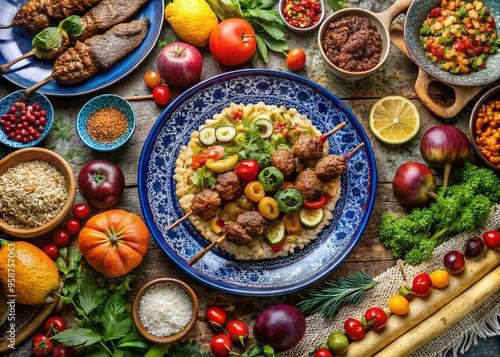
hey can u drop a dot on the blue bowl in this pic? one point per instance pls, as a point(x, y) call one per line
point(99, 102)
point(35, 97)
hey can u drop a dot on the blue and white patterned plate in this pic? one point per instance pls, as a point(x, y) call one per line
point(218, 269)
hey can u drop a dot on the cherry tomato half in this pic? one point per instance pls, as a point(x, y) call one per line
point(54, 322)
point(376, 318)
point(422, 285)
point(216, 316)
point(152, 79)
point(161, 95)
point(237, 331)
point(492, 239)
point(221, 345)
point(296, 59)
point(81, 210)
point(73, 226)
point(60, 237)
point(354, 329)
point(51, 250)
point(323, 352)
point(211, 152)
point(247, 170)
point(41, 344)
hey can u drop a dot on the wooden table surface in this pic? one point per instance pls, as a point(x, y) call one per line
point(396, 77)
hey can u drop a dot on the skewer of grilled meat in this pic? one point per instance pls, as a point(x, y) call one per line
point(204, 204)
point(36, 15)
point(331, 166)
point(96, 53)
point(97, 20)
point(310, 147)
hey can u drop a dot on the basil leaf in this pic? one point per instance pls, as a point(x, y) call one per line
point(47, 41)
point(72, 25)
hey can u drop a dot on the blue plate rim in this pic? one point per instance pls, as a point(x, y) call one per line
point(238, 289)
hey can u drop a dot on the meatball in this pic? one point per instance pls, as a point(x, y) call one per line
point(205, 203)
point(308, 184)
point(284, 161)
point(228, 185)
point(308, 147)
point(253, 222)
point(236, 233)
point(330, 167)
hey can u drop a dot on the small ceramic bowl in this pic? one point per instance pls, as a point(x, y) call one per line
point(173, 337)
point(35, 97)
point(381, 29)
point(493, 93)
point(32, 154)
point(302, 29)
point(100, 102)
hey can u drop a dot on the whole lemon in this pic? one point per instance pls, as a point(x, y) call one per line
point(32, 275)
point(191, 20)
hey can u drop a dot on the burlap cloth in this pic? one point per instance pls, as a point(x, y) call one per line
point(482, 322)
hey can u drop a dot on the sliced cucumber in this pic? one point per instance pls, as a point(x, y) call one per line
point(311, 218)
point(207, 135)
point(225, 133)
point(266, 127)
point(275, 232)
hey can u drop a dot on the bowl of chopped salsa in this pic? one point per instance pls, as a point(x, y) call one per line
point(302, 15)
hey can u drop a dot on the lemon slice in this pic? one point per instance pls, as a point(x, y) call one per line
point(394, 119)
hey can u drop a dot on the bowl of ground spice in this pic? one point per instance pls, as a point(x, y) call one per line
point(106, 122)
point(165, 310)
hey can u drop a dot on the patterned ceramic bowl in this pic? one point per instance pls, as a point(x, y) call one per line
point(36, 97)
point(282, 5)
point(105, 126)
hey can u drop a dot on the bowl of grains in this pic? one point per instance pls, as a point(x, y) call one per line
point(37, 192)
point(165, 310)
point(106, 122)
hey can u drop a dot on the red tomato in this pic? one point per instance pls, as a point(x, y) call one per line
point(376, 318)
point(354, 329)
point(81, 210)
point(62, 351)
point(54, 322)
point(73, 226)
point(51, 250)
point(296, 59)
point(237, 331)
point(211, 152)
point(41, 345)
point(323, 352)
point(221, 345)
point(152, 79)
point(161, 95)
point(247, 170)
point(322, 201)
point(60, 237)
point(492, 239)
point(216, 316)
point(232, 42)
point(422, 285)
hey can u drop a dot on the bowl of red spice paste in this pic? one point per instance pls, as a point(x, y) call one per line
point(302, 15)
point(106, 122)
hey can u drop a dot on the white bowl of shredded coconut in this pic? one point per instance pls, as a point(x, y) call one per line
point(37, 192)
point(165, 310)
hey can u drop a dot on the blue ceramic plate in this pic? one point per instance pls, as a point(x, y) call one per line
point(32, 70)
point(220, 270)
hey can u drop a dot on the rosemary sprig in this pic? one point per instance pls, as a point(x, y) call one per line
point(336, 294)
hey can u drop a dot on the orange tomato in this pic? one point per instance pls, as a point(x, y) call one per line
point(440, 278)
point(399, 305)
point(296, 59)
point(114, 242)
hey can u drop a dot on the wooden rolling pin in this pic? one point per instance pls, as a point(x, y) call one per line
point(422, 308)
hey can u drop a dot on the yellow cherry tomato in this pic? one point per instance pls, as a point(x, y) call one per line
point(440, 278)
point(223, 165)
point(254, 191)
point(292, 222)
point(399, 305)
point(268, 208)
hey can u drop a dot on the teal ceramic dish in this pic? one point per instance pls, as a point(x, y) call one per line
point(35, 97)
point(105, 101)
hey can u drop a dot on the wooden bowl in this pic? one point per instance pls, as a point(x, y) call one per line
point(32, 154)
point(170, 338)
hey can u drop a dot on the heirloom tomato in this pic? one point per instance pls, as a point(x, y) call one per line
point(232, 42)
point(114, 242)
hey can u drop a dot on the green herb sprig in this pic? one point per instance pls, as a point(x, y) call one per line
point(335, 294)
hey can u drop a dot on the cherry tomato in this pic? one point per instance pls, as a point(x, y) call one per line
point(152, 79)
point(492, 239)
point(354, 329)
point(62, 351)
point(247, 170)
point(73, 226)
point(422, 285)
point(216, 316)
point(221, 345)
point(232, 42)
point(323, 352)
point(376, 318)
point(81, 210)
point(161, 95)
point(51, 250)
point(296, 59)
point(60, 237)
point(211, 152)
point(399, 305)
point(454, 261)
point(440, 278)
point(54, 322)
point(42, 345)
point(237, 331)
